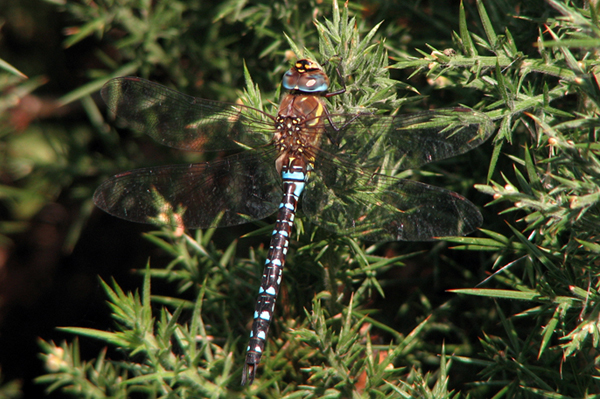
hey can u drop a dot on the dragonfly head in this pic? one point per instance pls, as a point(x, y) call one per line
point(306, 76)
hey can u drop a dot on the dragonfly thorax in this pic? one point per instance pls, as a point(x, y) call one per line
point(293, 142)
point(299, 125)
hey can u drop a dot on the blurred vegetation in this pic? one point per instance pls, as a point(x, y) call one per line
point(353, 319)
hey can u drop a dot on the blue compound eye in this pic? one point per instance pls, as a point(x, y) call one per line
point(306, 76)
point(313, 82)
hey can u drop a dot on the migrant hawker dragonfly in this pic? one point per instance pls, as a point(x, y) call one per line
point(342, 166)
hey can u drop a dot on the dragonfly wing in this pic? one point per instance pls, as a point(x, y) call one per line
point(376, 207)
point(185, 122)
point(375, 142)
point(231, 191)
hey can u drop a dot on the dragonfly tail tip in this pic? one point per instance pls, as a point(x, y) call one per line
point(248, 374)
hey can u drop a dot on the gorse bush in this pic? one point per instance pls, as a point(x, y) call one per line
point(354, 319)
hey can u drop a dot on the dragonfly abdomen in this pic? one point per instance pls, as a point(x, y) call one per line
point(294, 176)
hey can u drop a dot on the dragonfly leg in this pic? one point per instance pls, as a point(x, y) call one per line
point(336, 128)
point(342, 81)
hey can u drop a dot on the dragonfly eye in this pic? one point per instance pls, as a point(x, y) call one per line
point(314, 82)
point(306, 76)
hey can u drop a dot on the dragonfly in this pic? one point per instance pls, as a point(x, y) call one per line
point(342, 167)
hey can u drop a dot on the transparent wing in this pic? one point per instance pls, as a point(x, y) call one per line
point(234, 190)
point(376, 207)
point(374, 142)
point(185, 122)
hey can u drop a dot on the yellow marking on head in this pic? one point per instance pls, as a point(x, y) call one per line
point(304, 65)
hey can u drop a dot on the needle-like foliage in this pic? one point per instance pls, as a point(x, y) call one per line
point(353, 319)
